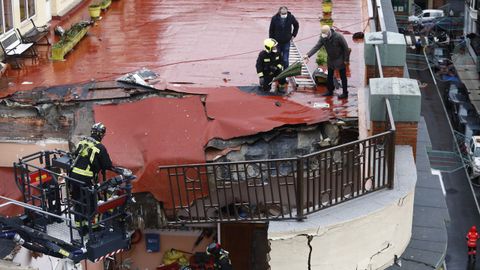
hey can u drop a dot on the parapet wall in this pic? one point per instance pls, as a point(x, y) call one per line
point(365, 233)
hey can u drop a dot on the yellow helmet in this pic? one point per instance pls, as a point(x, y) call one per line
point(269, 43)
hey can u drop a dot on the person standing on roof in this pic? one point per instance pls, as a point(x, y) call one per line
point(91, 157)
point(283, 28)
point(338, 58)
point(269, 64)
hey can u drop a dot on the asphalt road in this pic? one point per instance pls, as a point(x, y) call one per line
point(459, 197)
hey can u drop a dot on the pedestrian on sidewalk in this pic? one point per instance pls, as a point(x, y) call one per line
point(472, 238)
point(338, 58)
point(283, 28)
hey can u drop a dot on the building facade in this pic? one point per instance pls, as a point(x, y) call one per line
point(17, 13)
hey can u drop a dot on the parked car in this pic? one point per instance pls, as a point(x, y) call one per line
point(474, 157)
point(427, 15)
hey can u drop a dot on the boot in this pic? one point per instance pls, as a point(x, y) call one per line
point(343, 95)
point(327, 94)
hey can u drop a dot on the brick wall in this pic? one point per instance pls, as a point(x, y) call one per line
point(387, 72)
point(406, 132)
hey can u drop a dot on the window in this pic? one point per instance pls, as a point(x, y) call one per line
point(27, 9)
point(400, 5)
point(6, 16)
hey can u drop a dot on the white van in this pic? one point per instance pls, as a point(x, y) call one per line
point(427, 15)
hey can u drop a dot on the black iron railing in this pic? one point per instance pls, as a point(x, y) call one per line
point(47, 194)
point(278, 189)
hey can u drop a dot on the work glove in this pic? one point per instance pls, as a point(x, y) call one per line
point(261, 81)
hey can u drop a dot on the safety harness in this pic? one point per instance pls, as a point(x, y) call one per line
point(87, 152)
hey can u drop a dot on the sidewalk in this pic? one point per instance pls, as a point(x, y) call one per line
point(428, 245)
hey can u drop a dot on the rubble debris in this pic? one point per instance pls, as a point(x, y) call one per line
point(139, 77)
point(284, 142)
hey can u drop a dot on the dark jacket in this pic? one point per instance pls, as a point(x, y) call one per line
point(282, 32)
point(337, 50)
point(269, 63)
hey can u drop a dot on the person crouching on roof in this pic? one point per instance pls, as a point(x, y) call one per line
point(269, 64)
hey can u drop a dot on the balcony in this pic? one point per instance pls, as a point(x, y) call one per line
point(280, 189)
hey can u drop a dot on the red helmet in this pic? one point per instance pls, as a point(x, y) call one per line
point(213, 249)
point(473, 229)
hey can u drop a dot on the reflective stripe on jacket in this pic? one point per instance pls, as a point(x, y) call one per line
point(88, 150)
point(472, 238)
point(268, 63)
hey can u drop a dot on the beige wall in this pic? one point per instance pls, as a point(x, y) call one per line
point(60, 7)
point(181, 240)
point(40, 17)
point(57, 8)
point(12, 151)
point(364, 234)
point(369, 242)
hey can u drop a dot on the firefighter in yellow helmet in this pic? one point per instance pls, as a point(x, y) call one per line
point(269, 64)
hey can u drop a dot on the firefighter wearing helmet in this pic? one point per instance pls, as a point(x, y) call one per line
point(269, 64)
point(222, 261)
point(472, 237)
point(90, 158)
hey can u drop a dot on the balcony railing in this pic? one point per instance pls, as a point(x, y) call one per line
point(279, 189)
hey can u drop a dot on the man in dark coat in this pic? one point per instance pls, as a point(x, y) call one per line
point(338, 58)
point(283, 28)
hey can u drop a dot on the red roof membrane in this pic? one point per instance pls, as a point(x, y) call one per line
point(167, 131)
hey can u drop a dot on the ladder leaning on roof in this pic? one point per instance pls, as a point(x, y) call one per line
point(305, 79)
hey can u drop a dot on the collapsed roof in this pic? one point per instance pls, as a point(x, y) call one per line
point(148, 127)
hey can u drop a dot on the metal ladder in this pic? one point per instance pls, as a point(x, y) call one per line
point(304, 80)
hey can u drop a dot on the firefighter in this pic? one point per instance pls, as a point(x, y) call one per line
point(269, 64)
point(222, 261)
point(472, 237)
point(91, 157)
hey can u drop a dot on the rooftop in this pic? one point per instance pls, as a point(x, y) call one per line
point(205, 50)
point(207, 44)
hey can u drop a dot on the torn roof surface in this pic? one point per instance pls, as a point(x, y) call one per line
point(209, 45)
point(155, 131)
point(201, 42)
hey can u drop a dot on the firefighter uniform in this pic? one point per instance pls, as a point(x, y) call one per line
point(269, 64)
point(220, 256)
point(223, 262)
point(472, 237)
point(91, 158)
